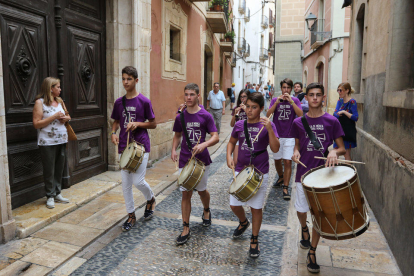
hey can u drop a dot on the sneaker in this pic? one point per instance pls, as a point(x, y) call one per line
point(50, 203)
point(244, 225)
point(61, 199)
point(286, 195)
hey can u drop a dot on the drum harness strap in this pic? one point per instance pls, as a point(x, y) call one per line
point(247, 138)
point(187, 138)
point(312, 137)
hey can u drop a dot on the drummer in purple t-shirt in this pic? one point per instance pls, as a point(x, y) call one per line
point(137, 110)
point(284, 109)
point(198, 122)
point(269, 136)
point(326, 129)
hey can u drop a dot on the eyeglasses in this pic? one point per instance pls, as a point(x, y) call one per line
point(243, 97)
point(339, 90)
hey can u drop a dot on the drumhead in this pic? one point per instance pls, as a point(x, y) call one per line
point(126, 155)
point(187, 169)
point(240, 179)
point(325, 177)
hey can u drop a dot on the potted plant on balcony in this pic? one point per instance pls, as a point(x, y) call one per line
point(210, 5)
point(218, 5)
point(229, 36)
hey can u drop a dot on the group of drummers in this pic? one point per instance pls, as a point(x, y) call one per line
point(289, 133)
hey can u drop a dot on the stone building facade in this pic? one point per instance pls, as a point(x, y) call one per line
point(86, 44)
point(326, 47)
point(381, 59)
point(288, 44)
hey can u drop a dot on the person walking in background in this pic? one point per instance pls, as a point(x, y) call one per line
point(347, 113)
point(250, 88)
point(271, 91)
point(49, 119)
point(216, 104)
point(239, 114)
point(266, 97)
point(233, 95)
point(298, 89)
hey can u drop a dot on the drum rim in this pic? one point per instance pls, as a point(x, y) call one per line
point(328, 189)
point(347, 235)
point(235, 194)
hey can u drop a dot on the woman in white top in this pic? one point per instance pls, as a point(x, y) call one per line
point(49, 119)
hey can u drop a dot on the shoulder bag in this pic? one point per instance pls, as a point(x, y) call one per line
point(71, 133)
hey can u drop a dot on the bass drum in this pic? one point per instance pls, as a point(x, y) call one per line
point(336, 201)
point(246, 184)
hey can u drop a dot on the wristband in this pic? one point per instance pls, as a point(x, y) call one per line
point(113, 132)
point(291, 102)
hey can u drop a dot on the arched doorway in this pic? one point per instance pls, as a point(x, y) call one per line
point(208, 73)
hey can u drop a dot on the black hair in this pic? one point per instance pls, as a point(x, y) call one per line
point(256, 97)
point(245, 91)
point(130, 71)
point(287, 81)
point(314, 85)
point(216, 83)
point(192, 86)
point(298, 82)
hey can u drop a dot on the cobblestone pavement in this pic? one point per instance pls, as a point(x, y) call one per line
point(150, 249)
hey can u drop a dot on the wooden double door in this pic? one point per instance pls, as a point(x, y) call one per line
point(64, 39)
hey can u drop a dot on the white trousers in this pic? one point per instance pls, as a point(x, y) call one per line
point(138, 179)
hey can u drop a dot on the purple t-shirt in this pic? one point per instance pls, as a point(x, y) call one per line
point(140, 110)
point(284, 116)
point(326, 128)
point(242, 115)
point(197, 125)
point(261, 162)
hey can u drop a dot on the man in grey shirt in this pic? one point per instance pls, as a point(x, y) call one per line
point(216, 104)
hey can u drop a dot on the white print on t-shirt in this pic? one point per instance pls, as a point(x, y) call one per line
point(193, 134)
point(250, 130)
point(321, 137)
point(284, 114)
point(132, 115)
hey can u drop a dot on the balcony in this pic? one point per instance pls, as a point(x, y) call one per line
point(264, 54)
point(242, 6)
point(317, 33)
point(247, 15)
point(233, 59)
point(226, 46)
point(247, 53)
point(272, 22)
point(265, 22)
point(217, 21)
point(241, 45)
point(227, 54)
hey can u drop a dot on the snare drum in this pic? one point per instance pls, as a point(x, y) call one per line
point(191, 174)
point(336, 201)
point(132, 157)
point(246, 184)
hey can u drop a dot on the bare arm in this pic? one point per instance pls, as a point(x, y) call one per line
point(114, 137)
point(176, 142)
point(210, 142)
point(296, 154)
point(38, 122)
point(298, 111)
point(333, 155)
point(230, 148)
point(151, 124)
point(208, 104)
point(224, 107)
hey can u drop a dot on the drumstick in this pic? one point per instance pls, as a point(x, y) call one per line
point(128, 132)
point(301, 163)
point(176, 165)
point(196, 146)
point(341, 160)
point(257, 136)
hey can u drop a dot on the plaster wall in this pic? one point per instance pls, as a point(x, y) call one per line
point(167, 92)
point(241, 60)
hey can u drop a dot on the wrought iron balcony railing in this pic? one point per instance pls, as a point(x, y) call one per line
point(265, 21)
point(247, 53)
point(241, 45)
point(242, 6)
point(318, 32)
point(247, 15)
point(264, 54)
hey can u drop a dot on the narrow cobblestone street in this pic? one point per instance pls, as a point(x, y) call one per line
point(149, 248)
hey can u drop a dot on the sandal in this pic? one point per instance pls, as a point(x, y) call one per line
point(148, 211)
point(279, 182)
point(312, 266)
point(129, 223)
point(206, 222)
point(286, 196)
point(305, 244)
point(183, 239)
point(244, 225)
point(254, 252)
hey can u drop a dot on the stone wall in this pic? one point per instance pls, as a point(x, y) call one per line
point(387, 180)
point(7, 223)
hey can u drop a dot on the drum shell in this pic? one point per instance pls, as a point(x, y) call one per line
point(249, 187)
point(135, 160)
point(329, 216)
point(189, 182)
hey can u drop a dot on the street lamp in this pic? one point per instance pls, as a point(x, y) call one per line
point(310, 19)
